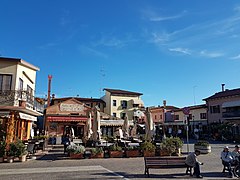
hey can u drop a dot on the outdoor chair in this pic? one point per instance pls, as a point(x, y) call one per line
point(31, 149)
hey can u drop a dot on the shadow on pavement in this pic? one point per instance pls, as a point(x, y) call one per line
point(211, 175)
point(56, 153)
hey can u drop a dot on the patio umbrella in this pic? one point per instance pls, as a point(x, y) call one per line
point(88, 127)
point(126, 127)
point(134, 130)
point(149, 126)
point(96, 125)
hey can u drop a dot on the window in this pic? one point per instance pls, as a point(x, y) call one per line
point(203, 115)
point(161, 116)
point(114, 114)
point(124, 104)
point(176, 117)
point(29, 93)
point(20, 84)
point(214, 109)
point(5, 82)
point(190, 116)
point(20, 87)
point(114, 102)
point(123, 115)
point(155, 116)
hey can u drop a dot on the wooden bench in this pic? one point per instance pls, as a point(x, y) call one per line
point(165, 162)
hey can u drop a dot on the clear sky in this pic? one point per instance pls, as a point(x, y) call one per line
point(180, 51)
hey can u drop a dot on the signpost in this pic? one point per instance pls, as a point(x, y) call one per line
point(186, 112)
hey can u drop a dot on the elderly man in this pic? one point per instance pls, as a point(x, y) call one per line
point(192, 161)
point(227, 160)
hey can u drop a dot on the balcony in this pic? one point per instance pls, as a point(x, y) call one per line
point(235, 114)
point(16, 98)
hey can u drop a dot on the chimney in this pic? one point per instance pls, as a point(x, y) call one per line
point(49, 89)
point(164, 103)
point(223, 87)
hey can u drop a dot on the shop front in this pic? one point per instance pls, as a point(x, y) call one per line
point(67, 118)
point(17, 123)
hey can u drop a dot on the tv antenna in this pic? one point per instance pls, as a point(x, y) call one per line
point(102, 76)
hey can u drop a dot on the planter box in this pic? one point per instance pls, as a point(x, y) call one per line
point(203, 149)
point(1, 159)
point(76, 156)
point(10, 159)
point(164, 153)
point(148, 153)
point(23, 158)
point(116, 154)
point(132, 153)
point(99, 155)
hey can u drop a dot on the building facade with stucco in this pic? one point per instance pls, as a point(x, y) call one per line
point(120, 103)
point(17, 98)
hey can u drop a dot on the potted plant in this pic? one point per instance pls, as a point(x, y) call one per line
point(21, 150)
point(11, 152)
point(132, 151)
point(97, 152)
point(171, 146)
point(2, 150)
point(148, 149)
point(203, 146)
point(115, 151)
point(76, 152)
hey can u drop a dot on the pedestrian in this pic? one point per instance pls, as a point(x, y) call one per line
point(66, 142)
point(227, 160)
point(236, 153)
point(192, 161)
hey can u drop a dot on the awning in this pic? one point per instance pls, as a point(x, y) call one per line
point(4, 113)
point(20, 109)
point(231, 104)
point(27, 117)
point(137, 101)
point(114, 123)
point(65, 119)
point(175, 123)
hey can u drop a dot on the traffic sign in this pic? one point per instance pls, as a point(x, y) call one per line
point(186, 110)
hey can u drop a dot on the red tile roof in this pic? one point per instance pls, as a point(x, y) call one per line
point(123, 92)
point(226, 93)
point(79, 99)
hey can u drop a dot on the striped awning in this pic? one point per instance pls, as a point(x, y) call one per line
point(65, 119)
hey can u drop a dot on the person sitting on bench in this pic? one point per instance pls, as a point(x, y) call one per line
point(192, 161)
point(227, 160)
point(236, 153)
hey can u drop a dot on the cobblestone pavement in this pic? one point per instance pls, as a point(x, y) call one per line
point(55, 165)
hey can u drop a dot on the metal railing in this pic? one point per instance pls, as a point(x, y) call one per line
point(231, 114)
point(16, 98)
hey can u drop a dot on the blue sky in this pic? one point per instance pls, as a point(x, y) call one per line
point(178, 51)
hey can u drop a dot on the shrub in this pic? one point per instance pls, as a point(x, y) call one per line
point(171, 144)
point(21, 149)
point(2, 148)
point(115, 147)
point(202, 143)
point(75, 149)
point(12, 150)
point(132, 148)
point(97, 150)
point(148, 146)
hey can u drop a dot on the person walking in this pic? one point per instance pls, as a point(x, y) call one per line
point(192, 161)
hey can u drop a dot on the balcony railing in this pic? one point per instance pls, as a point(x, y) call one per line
point(16, 98)
point(231, 114)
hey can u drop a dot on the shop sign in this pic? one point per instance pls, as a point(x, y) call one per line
point(71, 107)
point(27, 117)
